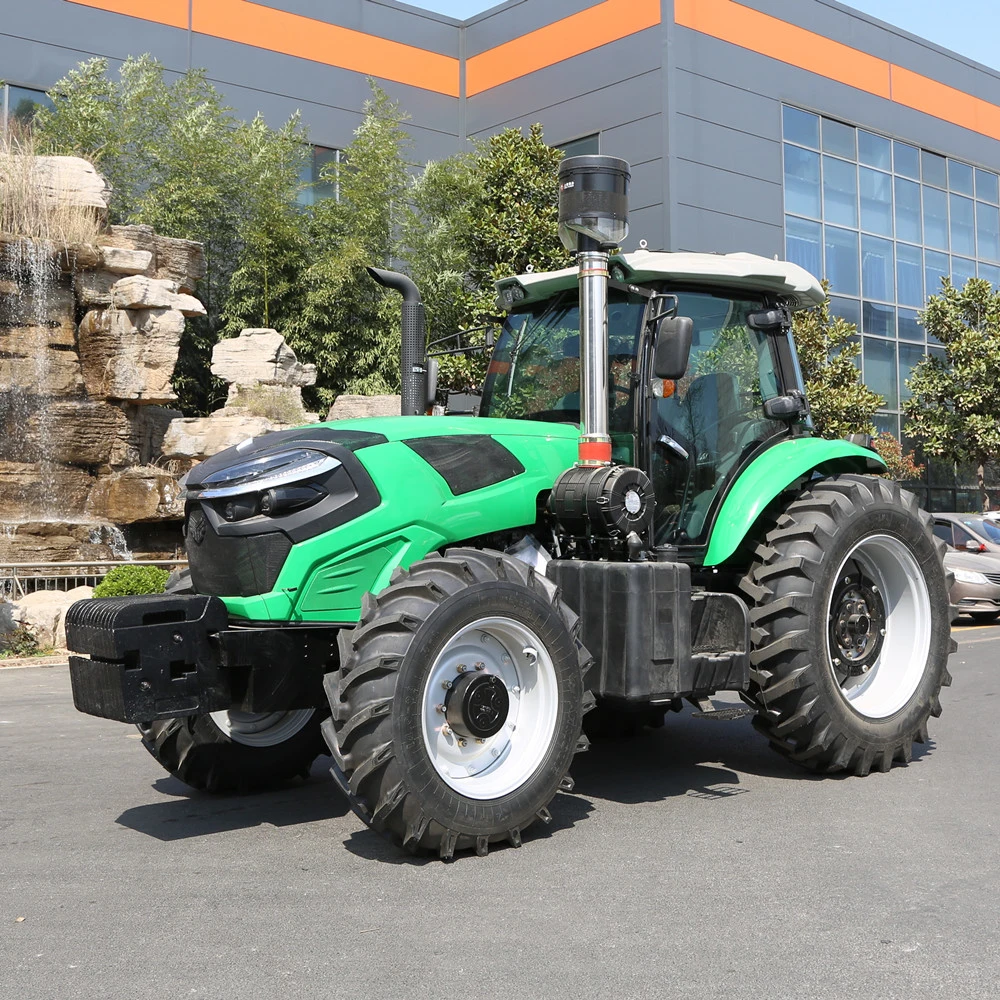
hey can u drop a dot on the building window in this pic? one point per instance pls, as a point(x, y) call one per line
point(314, 186)
point(586, 145)
point(19, 104)
point(884, 221)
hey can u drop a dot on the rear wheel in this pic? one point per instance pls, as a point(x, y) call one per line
point(457, 706)
point(850, 626)
point(236, 751)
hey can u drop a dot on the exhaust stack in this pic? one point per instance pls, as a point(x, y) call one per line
point(412, 344)
point(593, 219)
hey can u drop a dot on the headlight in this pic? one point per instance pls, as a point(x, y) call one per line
point(259, 474)
point(969, 576)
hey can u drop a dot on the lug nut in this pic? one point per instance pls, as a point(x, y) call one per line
point(478, 740)
point(446, 685)
point(440, 708)
point(461, 668)
point(480, 665)
point(461, 742)
point(446, 730)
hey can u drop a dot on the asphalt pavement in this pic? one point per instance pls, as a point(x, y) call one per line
point(690, 862)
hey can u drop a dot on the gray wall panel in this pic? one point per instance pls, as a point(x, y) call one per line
point(331, 126)
point(573, 79)
point(647, 224)
point(636, 141)
point(728, 104)
point(729, 192)
point(494, 27)
point(295, 79)
point(713, 232)
point(38, 65)
point(729, 148)
point(424, 29)
point(594, 112)
point(88, 32)
point(646, 187)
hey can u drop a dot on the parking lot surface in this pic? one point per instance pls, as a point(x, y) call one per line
point(689, 862)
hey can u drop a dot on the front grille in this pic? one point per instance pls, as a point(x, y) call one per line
point(993, 577)
point(235, 565)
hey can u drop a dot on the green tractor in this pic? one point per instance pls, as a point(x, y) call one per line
point(641, 515)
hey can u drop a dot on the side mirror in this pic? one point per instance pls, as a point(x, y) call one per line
point(673, 346)
point(971, 546)
point(431, 385)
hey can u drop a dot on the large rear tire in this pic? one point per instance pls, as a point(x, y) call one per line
point(850, 626)
point(457, 706)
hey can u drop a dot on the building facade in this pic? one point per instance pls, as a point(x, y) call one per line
point(864, 153)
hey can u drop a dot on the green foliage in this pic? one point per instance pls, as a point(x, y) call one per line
point(19, 642)
point(345, 324)
point(840, 402)
point(178, 159)
point(900, 465)
point(275, 402)
point(473, 219)
point(126, 580)
point(954, 407)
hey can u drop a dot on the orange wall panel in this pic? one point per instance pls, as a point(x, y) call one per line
point(589, 29)
point(788, 43)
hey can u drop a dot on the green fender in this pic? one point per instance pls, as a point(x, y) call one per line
point(767, 475)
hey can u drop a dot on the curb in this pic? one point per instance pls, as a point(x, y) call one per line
point(55, 660)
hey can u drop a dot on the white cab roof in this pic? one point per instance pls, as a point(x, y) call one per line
point(729, 270)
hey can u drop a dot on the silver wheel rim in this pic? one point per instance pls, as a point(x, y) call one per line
point(496, 765)
point(261, 729)
point(882, 687)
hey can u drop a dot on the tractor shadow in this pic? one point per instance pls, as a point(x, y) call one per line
point(700, 758)
point(183, 813)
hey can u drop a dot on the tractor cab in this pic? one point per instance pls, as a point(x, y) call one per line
point(739, 393)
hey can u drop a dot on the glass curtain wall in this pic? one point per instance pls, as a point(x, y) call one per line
point(884, 221)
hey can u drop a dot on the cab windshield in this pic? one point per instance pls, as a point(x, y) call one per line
point(535, 370)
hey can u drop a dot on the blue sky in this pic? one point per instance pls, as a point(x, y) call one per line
point(971, 27)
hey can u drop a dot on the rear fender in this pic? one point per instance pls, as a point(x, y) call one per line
point(770, 474)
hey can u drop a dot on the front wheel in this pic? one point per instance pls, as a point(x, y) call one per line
point(850, 626)
point(457, 706)
point(235, 751)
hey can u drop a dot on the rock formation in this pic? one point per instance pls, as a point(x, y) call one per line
point(89, 336)
point(265, 394)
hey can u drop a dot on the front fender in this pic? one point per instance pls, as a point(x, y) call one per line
point(771, 473)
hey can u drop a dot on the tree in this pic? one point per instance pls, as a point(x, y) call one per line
point(178, 159)
point(954, 406)
point(347, 325)
point(473, 219)
point(840, 402)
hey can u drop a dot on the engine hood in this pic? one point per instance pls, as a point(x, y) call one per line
point(389, 490)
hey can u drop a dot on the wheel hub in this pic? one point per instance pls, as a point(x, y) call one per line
point(857, 623)
point(477, 705)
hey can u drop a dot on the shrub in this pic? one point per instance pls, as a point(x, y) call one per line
point(18, 642)
point(125, 580)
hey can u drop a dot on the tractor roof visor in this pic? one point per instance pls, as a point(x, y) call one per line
point(593, 200)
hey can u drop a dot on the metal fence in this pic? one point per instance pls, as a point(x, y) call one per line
point(19, 579)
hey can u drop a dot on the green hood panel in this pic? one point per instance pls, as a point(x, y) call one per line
point(770, 474)
point(325, 578)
